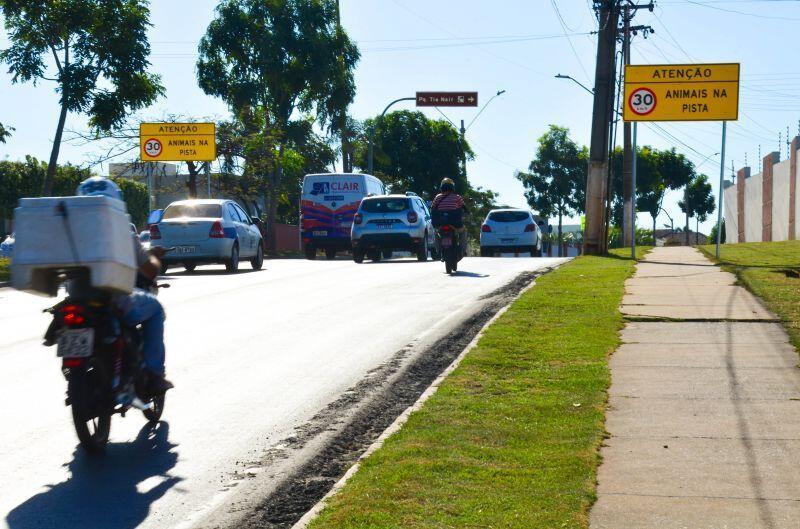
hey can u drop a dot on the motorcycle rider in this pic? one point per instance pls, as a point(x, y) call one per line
point(451, 205)
point(140, 307)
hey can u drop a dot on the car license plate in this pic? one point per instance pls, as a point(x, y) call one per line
point(384, 226)
point(512, 239)
point(75, 343)
point(320, 233)
point(186, 249)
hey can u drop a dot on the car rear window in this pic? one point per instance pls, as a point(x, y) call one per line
point(177, 211)
point(384, 205)
point(509, 216)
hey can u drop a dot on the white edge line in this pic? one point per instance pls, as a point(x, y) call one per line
point(303, 522)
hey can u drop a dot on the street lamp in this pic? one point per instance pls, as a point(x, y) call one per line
point(372, 130)
point(559, 76)
point(499, 93)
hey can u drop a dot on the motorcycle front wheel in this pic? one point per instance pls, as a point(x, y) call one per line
point(92, 428)
point(154, 414)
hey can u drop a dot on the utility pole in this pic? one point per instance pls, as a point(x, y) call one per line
point(347, 161)
point(596, 184)
point(628, 184)
point(463, 153)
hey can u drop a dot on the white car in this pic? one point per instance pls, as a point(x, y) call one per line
point(207, 231)
point(510, 230)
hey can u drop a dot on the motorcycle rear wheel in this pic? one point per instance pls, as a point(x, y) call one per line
point(92, 429)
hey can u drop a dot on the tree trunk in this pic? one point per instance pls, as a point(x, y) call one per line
point(654, 232)
point(272, 212)
point(53, 165)
point(192, 183)
point(686, 234)
point(559, 234)
point(697, 231)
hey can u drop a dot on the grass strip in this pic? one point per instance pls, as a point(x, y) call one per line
point(771, 271)
point(511, 438)
point(5, 272)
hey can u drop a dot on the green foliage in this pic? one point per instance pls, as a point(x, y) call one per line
point(280, 55)
point(644, 237)
point(414, 153)
point(700, 198)
point(5, 132)
point(100, 52)
point(712, 237)
point(269, 59)
point(656, 173)
point(136, 200)
point(24, 179)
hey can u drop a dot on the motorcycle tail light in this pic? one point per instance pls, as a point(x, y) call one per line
point(446, 228)
point(72, 362)
point(73, 315)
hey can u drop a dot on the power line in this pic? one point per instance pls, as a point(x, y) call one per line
point(572, 46)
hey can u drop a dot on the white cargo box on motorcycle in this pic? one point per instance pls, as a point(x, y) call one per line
point(56, 235)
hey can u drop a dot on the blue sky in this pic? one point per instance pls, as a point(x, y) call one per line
point(512, 45)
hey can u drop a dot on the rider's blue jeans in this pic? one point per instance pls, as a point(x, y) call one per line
point(143, 308)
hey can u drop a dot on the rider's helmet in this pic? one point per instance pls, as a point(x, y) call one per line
point(95, 186)
point(447, 185)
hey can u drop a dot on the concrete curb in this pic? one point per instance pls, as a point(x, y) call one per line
point(398, 423)
point(5, 284)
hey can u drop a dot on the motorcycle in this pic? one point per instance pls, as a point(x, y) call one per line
point(102, 363)
point(449, 242)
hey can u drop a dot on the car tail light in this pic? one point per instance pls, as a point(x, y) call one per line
point(486, 228)
point(358, 219)
point(216, 230)
point(412, 217)
point(155, 232)
point(72, 315)
point(530, 227)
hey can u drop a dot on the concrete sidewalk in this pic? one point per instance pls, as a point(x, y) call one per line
point(704, 409)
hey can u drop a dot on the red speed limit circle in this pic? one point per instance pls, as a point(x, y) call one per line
point(642, 101)
point(153, 148)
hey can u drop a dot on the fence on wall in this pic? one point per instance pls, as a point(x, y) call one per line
point(763, 207)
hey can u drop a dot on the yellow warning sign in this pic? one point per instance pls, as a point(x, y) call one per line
point(177, 142)
point(682, 92)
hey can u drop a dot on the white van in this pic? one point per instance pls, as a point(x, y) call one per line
point(328, 203)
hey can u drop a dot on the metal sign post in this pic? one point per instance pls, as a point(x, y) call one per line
point(721, 184)
point(208, 177)
point(633, 193)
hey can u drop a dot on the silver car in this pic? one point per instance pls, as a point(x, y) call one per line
point(207, 231)
point(386, 223)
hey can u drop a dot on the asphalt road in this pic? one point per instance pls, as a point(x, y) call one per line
point(253, 357)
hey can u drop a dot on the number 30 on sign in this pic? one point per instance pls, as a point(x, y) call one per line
point(153, 147)
point(642, 101)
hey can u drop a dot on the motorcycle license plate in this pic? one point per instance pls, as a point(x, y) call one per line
point(447, 242)
point(320, 233)
point(75, 343)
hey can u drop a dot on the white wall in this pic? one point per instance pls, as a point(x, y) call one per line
point(753, 208)
point(730, 207)
point(780, 201)
point(797, 203)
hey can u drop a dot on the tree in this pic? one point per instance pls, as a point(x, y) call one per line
point(5, 132)
point(414, 153)
point(277, 57)
point(556, 183)
point(656, 173)
point(700, 203)
point(99, 50)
